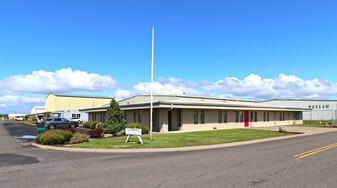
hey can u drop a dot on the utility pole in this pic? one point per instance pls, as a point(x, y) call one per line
point(151, 109)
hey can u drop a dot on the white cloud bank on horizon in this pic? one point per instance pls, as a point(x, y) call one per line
point(18, 104)
point(252, 87)
point(60, 81)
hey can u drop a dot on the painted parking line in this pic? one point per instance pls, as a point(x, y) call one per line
point(314, 151)
point(29, 123)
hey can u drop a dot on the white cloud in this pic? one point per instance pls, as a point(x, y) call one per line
point(19, 104)
point(122, 94)
point(60, 81)
point(284, 86)
point(165, 89)
point(252, 87)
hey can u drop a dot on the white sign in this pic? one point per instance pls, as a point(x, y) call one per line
point(133, 131)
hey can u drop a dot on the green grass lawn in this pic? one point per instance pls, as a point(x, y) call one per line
point(183, 139)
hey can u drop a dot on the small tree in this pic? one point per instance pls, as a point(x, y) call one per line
point(47, 114)
point(115, 122)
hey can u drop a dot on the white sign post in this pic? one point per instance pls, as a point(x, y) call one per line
point(134, 132)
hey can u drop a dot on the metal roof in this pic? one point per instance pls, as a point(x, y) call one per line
point(82, 96)
point(192, 104)
point(299, 100)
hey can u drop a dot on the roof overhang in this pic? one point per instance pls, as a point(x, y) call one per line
point(187, 105)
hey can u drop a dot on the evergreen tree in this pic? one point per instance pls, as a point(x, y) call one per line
point(115, 122)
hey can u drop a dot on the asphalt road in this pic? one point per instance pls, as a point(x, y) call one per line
point(269, 164)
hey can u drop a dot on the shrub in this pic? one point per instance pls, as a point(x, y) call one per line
point(54, 137)
point(95, 133)
point(72, 130)
point(100, 126)
point(93, 124)
point(87, 124)
point(79, 138)
point(47, 115)
point(145, 130)
point(115, 122)
point(120, 133)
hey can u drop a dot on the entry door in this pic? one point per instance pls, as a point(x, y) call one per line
point(246, 113)
point(170, 120)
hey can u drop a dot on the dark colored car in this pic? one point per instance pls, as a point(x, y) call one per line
point(60, 123)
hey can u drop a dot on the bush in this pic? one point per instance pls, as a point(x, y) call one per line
point(79, 138)
point(145, 130)
point(87, 124)
point(100, 126)
point(93, 124)
point(47, 115)
point(72, 130)
point(95, 133)
point(54, 137)
point(120, 133)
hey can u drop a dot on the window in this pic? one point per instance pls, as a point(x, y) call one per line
point(75, 115)
point(195, 116)
point(319, 106)
point(220, 117)
point(237, 116)
point(264, 116)
point(139, 116)
point(57, 119)
point(251, 116)
point(281, 116)
point(241, 116)
point(323, 106)
point(103, 117)
point(309, 106)
point(225, 116)
point(125, 116)
point(327, 106)
point(316, 106)
point(135, 116)
point(267, 116)
point(154, 119)
point(255, 116)
point(179, 118)
point(202, 113)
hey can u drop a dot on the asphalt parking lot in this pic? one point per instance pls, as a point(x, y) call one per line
point(21, 131)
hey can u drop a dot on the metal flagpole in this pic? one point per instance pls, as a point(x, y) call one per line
point(151, 110)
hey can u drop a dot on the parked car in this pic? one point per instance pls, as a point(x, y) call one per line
point(76, 119)
point(46, 120)
point(19, 118)
point(60, 123)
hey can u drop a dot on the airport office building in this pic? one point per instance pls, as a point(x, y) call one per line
point(320, 109)
point(186, 113)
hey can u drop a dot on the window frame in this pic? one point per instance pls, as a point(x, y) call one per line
point(195, 117)
point(225, 116)
point(202, 116)
point(219, 116)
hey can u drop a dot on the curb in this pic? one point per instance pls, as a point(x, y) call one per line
point(175, 149)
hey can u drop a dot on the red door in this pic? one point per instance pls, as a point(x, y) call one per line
point(246, 113)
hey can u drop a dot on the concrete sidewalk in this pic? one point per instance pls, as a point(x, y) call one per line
point(305, 131)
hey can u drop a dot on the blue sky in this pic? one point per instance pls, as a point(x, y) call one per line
point(230, 49)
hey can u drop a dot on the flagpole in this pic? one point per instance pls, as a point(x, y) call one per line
point(151, 110)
